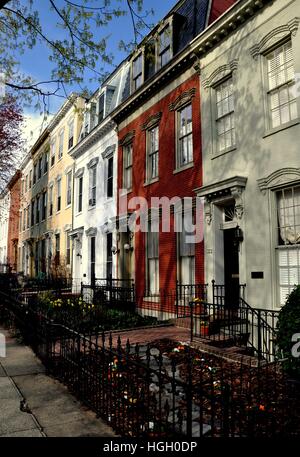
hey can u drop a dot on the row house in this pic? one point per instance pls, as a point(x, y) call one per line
point(95, 183)
point(160, 155)
point(4, 217)
point(64, 130)
point(250, 65)
point(25, 242)
point(14, 188)
point(33, 208)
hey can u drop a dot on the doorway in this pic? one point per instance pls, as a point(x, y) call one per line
point(231, 269)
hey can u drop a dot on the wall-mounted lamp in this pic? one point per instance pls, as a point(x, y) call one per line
point(127, 247)
point(79, 255)
point(114, 250)
point(238, 237)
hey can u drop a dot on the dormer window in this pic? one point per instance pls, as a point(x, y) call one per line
point(164, 46)
point(101, 107)
point(137, 71)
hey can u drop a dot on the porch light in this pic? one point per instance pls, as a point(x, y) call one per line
point(127, 247)
point(238, 234)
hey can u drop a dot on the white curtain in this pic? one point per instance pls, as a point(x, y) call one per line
point(289, 215)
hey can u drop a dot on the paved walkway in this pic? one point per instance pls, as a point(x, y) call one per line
point(150, 335)
point(35, 405)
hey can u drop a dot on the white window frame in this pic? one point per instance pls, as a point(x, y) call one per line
point(61, 144)
point(127, 165)
point(68, 189)
point(229, 115)
point(152, 153)
point(93, 186)
point(180, 138)
point(279, 88)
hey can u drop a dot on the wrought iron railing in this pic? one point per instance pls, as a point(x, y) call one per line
point(147, 391)
point(115, 293)
point(219, 293)
point(249, 328)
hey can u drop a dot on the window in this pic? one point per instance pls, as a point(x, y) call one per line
point(57, 249)
point(24, 219)
point(46, 159)
point(34, 173)
point(110, 178)
point(32, 213)
point(71, 134)
point(44, 205)
point(69, 188)
point(37, 207)
point(50, 200)
point(101, 107)
point(281, 85)
point(152, 247)
point(40, 167)
point(26, 183)
point(61, 145)
point(225, 115)
point(186, 255)
point(164, 46)
point(58, 196)
point(137, 72)
point(28, 213)
point(109, 241)
point(152, 153)
point(80, 188)
point(68, 249)
point(185, 136)
point(93, 184)
point(92, 258)
point(127, 173)
point(30, 179)
point(288, 206)
point(52, 153)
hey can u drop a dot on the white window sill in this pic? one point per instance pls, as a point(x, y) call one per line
point(282, 127)
point(91, 208)
point(154, 299)
point(126, 192)
point(221, 153)
point(151, 181)
point(183, 168)
point(68, 206)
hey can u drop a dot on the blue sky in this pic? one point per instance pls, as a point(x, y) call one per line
point(36, 62)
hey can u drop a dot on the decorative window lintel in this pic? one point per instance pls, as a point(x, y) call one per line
point(93, 162)
point(182, 99)
point(220, 73)
point(79, 173)
point(108, 151)
point(152, 121)
point(275, 36)
point(127, 138)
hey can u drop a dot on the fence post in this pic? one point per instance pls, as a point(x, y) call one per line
point(259, 348)
point(213, 290)
point(176, 297)
point(192, 320)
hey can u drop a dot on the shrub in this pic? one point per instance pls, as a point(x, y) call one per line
point(289, 324)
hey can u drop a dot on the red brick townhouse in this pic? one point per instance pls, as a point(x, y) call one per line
point(14, 187)
point(160, 155)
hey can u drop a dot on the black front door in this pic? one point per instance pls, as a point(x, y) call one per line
point(231, 267)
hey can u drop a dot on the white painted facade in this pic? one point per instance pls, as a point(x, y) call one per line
point(4, 218)
point(259, 171)
point(94, 207)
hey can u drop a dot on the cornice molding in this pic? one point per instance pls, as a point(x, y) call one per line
point(182, 99)
point(95, 135)
point(127, 138)
point(220, 73)
point(274, 36)
point(152, 121)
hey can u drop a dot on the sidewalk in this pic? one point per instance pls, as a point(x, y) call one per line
point(35, 405)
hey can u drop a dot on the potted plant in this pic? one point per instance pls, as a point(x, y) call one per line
point(204, 328)
point(199, 306)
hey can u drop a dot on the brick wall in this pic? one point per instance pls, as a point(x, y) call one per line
point(180, 184)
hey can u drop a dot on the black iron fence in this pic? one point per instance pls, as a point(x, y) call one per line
point(115, 293)
point(249, 328)
point(160, 390)
point(172, 303)
point(220, 293)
